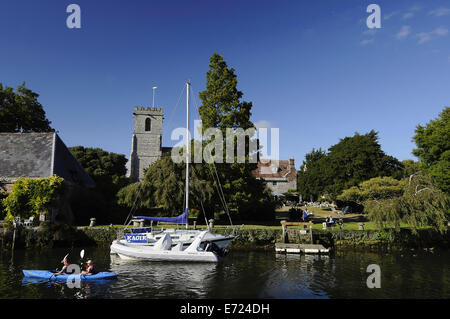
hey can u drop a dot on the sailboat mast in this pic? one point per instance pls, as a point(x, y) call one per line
point(187, 148)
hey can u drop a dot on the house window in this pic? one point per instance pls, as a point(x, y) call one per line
point(274, 183)
point(148, 124)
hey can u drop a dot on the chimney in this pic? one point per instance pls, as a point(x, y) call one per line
point(291, 163)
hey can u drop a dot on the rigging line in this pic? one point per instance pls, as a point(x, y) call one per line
point(176, 106)
point(134, 204)
point(228, 212)
point(201, 198)
point(218, 181)
point(196, 108)
point(204, 215)
point(221, 196)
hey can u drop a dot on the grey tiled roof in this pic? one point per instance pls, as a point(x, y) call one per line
point(39, 155)
point(26, 155)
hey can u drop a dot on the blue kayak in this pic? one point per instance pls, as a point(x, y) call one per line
point(49, 275)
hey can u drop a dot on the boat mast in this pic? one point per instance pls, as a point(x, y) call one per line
point(187, 150)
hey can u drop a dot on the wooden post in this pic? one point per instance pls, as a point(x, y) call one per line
point(283, 226)
point(310, 230)
point(195, 224)
point(14, 237)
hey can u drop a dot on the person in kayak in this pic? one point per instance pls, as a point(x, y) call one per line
point(90, 268)
point(66, 263)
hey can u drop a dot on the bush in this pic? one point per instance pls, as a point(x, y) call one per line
point(30, 197)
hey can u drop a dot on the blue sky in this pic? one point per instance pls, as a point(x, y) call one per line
point(311, 68)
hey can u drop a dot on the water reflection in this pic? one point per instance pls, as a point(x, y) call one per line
point(300, 276)
point(163, 279)
point(244, 274)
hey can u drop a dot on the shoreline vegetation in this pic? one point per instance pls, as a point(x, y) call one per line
point(249, 236)
point(402, 204)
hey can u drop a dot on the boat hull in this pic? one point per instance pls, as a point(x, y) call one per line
point(221, 241)
point(46, 274)
point(147, 253)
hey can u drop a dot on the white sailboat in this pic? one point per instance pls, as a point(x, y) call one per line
point(173, 244)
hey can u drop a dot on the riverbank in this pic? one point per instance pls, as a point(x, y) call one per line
point(247, 237)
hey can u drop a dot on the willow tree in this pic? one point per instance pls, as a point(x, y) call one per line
point(422, 204)
point(163, 187)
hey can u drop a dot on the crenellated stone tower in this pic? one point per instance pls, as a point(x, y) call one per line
point(146, 145)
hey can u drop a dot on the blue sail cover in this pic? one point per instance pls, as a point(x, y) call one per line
point(182, 219)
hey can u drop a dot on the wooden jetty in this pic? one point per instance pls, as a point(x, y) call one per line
point(299, 248)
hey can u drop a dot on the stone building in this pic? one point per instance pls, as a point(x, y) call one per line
point(280, 175)
point(35, 155)
point(146, 144)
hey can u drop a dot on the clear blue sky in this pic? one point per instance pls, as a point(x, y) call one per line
point(311, 68)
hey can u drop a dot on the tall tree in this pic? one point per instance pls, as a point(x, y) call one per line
point(20, 111)
point(221, 106)
point(351, 161)
point(433, 149)
point(359, 158)
point(223, 109)
point(310, 177)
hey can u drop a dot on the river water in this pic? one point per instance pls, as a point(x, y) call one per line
point(253, 274)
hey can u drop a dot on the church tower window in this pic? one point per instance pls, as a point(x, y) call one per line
point(148, 124)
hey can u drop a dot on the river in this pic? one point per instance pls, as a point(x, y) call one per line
point(253, 274)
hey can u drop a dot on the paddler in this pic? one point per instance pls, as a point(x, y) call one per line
point(90, 268)
point(66, 263)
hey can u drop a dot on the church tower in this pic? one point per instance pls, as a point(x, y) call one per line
point(146, 142)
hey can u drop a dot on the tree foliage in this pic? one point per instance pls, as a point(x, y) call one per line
point(421, 204)
point(433, 148)
point(163, 187)
point(164, 184)
point(377, 188)
point(351, 161)
point(410, 167)
point(20, 111)
point(108, 171)
point(310, 181)
point(31, 197)
point(223, 109)
point(221, 106)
